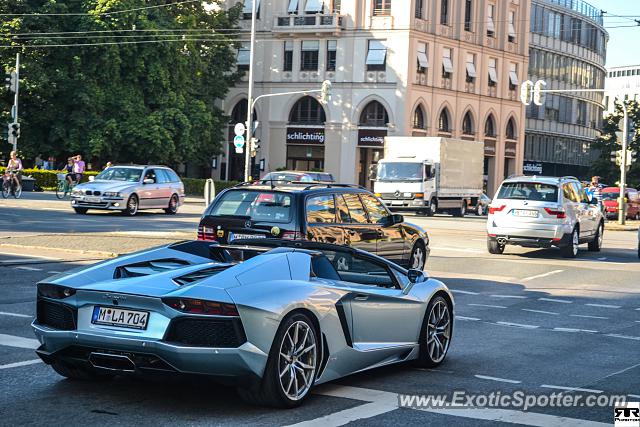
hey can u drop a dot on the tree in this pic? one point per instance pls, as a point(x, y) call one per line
point(607, 142)
point(143, 87)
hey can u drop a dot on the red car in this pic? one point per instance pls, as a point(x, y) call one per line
point(610, 200)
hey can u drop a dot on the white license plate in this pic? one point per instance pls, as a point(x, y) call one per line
point(397, 203)
point(92, 199)
point(240, 236)
point(525, 212)
point(113, 316)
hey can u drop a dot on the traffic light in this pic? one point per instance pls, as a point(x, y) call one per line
point(255, 146)
point(14, 130)
point(526, 92)
point(11, 81)
point(538, 95)
point(631, 157)
point(325, 93)
point(616, 157)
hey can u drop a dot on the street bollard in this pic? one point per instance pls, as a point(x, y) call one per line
point(209, 191)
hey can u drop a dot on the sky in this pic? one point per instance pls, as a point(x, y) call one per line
point(622, 48)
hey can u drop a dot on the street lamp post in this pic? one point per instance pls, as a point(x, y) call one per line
point(247, 150)
point(622, 214)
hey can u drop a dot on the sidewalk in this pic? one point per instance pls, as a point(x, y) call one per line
point(630, 225)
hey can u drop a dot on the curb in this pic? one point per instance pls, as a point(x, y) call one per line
point(72, 251)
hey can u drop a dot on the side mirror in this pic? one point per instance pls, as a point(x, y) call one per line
point(414, 276)
point(92, 178)
point(392, 220)
point(148, 181)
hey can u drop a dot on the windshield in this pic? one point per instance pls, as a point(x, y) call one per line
point(120, 174)
point(529, 191)
point(399, 172)
point(286, 177)
point(257, 205)
point(610, 195)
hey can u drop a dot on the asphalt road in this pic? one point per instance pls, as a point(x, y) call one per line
point(527, 321)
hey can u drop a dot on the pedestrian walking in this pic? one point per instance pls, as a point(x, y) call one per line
point(38, 162)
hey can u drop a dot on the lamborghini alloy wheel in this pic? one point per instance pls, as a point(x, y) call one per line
point(298, 360)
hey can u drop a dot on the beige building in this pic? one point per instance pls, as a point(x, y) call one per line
point(398, 67)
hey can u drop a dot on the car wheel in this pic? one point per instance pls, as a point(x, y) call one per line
point(433, 207)
point(571, 250)
point(81, 211)
point(418, 257)
point(79, 373)
point(462, 211)
point(480, 210)
point(172, 209)
point(291, 368)
point(435, 336)
point(132, 205)
point(596, 244)
point(494, 247)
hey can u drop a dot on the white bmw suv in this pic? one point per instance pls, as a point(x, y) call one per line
point(541, 212)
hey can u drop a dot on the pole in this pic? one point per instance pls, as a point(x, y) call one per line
point(247, 148)
point(15, 99)
point(622, 214)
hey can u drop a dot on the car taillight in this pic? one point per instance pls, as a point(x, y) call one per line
point(293, 235)
point(197, 306)
point(206, 233)
point(54, 291)
point(494, 209)
point(560, 214)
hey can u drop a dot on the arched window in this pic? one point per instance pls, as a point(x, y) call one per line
point(418, 118)
point(307, 111)
point(443, 121)
point(467, 124)
point(490, 127)
point(239, 113)
point(374, 114)
point(511, 129)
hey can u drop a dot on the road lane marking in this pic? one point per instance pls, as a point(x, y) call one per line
point(487, 305)
point(603, 305)
point(575, 330)
point(502, 380)
point(28, 268)
point(634, 396)
point(604, 258)
point(589, 317)
point(29, 256)
point(20, 342)
point(340, 418)
point(18, 364)
point(540, 276)
point(457, 291)
point(4, 313)
point(518, 325)
point(627, 337)
point(509, 296)
point(54, 272)
point(562, 301)
point(559, 387)
point(466, 318)
point(540, 311)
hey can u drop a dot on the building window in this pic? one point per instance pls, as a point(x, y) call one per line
point(293, 6)
point(423, 61)
point(468, 15)
point(335, 6)
point(447, 64)
point(444, 12)
point(467, 124)
point(307, 111)
point(288, 56)
point(491, 28)
point(418, 118)
point(332, 47)
point(443, 121)
point(381, 7)
point(513, 76)
point(512, 26)
point(374, 115)
point(511, 129)
point(243, 57)
point(376, 56)
point(490, 127)
point(471, 68)
point(309, 58)
point(246, 10)
point(493, 73)
point(313, 6)
point(420, 9)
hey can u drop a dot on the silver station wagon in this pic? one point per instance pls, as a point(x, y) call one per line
point(129, 189)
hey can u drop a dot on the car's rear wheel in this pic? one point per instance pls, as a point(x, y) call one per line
point(418, 257)
point(596, 244)
point(292, 365)
point(494, 247)
point(132, 205)
point(81, 211)
point(433, 207)
point(172, 209)
point(480, 209)
point(435, 336)
point(571, 250)
point(79, 373)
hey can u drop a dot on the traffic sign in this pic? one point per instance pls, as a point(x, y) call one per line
point(239, 129)
point(238, 142)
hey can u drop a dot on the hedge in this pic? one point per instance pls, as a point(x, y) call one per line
point(49, 180)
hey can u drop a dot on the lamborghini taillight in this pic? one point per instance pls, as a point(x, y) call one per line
point(198, 306)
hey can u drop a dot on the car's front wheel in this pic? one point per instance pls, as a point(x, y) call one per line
point(292, 365)
point(596, 244)
point(435, 336)
point(418, 257)
point(132, 205)
point(79, 373)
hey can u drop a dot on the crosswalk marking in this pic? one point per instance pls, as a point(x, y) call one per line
point(20, 342)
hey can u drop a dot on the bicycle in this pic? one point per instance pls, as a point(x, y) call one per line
point(63, 188)
point(11, 185)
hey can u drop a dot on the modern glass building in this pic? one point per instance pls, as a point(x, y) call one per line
point(567, 49)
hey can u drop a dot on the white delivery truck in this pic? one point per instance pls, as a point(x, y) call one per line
point(429, 175)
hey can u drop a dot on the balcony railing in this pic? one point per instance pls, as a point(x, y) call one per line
point(308, 23)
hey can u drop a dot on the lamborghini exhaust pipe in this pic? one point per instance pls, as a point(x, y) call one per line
point(112, 362)
point(502, 241)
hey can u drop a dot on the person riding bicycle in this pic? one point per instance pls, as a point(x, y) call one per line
point(70, 174)
point(78, 168)
point(15, 165)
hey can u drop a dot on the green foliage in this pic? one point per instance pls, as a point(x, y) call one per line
point(607, 142)
point(49, 179)
point(152, 102)
point(195, 187)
